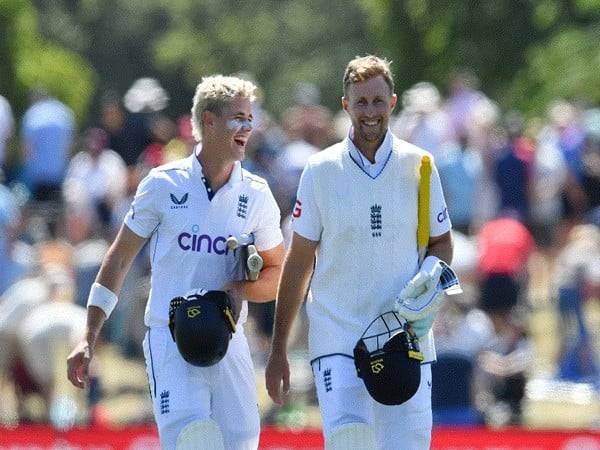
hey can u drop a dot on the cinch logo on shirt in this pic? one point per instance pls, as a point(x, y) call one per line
point(442, 216)
point(202, 243)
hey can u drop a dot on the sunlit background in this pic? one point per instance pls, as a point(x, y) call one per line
point(504, 93)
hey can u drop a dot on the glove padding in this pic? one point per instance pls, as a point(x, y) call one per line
point(422, 296)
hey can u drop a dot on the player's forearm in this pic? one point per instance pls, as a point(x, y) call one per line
point(264, 289)
point(113, 270)
point(441, 247)
point(293, 286)
point(95, 320)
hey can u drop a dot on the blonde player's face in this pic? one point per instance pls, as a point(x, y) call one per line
point(234, 126)
point(369, 104)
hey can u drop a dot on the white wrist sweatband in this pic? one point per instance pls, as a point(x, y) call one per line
point(103, 298)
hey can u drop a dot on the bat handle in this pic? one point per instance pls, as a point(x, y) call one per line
point(254, 263)
point(232, 243)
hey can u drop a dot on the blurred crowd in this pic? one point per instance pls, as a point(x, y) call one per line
point(523, 197)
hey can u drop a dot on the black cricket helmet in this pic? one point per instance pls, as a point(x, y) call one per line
point(388, 360)
point(201, 325)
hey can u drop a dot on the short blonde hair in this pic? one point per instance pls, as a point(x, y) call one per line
point(213, 93)
point(363, 68)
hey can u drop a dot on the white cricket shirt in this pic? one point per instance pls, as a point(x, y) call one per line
point(366, 227)
point(187, 230)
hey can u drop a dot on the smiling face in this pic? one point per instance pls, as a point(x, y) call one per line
point(369, 104)
point(231, 128)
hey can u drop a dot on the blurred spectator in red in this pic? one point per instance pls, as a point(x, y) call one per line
point(181, 145)
point(505, 246)
point(47, 132)
point(7, 125)
point(162, 131)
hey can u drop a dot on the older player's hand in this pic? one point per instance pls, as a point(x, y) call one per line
point(277, 375)
point(78, 364)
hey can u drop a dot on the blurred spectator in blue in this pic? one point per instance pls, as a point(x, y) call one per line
point(513, 167)
point(97, 176)
point(571, 140)
point(7, 125)
point(549, 176)
point(422, 121)
point(47, 133)
point(483, 137)
point(460, 169)
point(590, 179)
point(577, 279)
point(10, 222)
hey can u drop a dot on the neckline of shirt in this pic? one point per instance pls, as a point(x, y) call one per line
point(382, 155)
point(236, 176)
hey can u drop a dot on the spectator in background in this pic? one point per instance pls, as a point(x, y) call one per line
point(463, 98)
point(10, 222)
point(460, 169)
point(570, 139)
point(577, 279)
point(549, 175)
point(513, 168)
point(501, 372)
point(505, 246)
point(128, 133)
point(422, 121)
point(47, 133)
point(96, 176)
point(7, 125)
point(590, 179)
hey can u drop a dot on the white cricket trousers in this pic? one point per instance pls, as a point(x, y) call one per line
point(343, 398)
point(182, 393)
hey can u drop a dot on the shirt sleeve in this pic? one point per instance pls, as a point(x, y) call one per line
point(143, 216)
point(268, 232)
point(439, 219)
point(306, 219)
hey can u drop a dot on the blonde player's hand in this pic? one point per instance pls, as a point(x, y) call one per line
point(78, 364)
point(277, 375)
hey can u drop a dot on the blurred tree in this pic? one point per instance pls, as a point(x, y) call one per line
point(277, 42)
point(30, 61)
point(546, 41)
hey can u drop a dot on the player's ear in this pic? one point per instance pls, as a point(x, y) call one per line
point(393, 101)
point(208, 119)
point(345, 103)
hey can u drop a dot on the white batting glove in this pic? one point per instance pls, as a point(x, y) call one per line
point(423, 294)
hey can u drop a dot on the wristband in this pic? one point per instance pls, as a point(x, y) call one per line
point(103, 298)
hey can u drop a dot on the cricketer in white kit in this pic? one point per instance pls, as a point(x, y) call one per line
point(356, 213)
point(187, 209)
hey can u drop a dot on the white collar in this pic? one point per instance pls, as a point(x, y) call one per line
point(382, 154)
point(236, 176)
